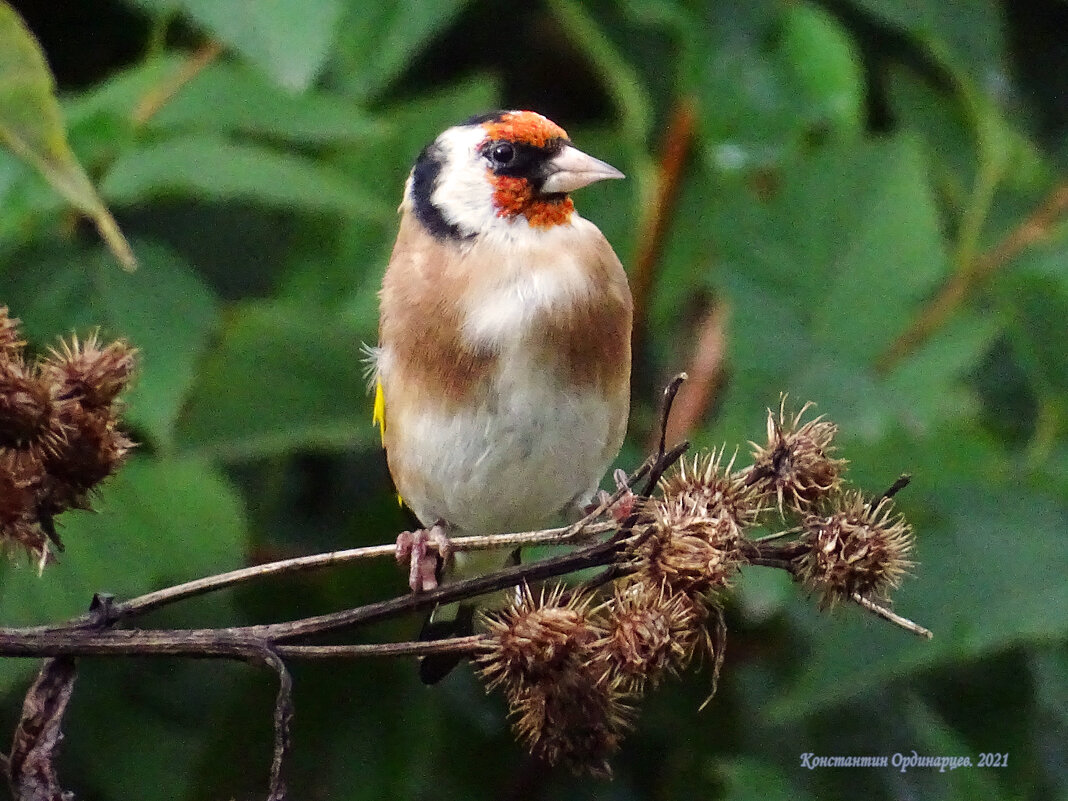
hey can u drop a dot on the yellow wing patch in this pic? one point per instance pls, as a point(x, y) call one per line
point(378, 418)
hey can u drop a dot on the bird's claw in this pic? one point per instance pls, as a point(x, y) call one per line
point(622, 508)
point(425, 550)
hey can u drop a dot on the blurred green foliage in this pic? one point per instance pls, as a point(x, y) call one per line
point(849, 157)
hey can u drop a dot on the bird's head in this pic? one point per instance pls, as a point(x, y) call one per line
point(506, 172)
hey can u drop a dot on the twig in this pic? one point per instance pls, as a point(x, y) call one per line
point(1037, 226)
point(283, 717)
point(157, 97)
point(248, 642)
point(671, 391)
point(902, 481)
point(449, 645)
point(886, 614)
point(31, 767)
point(154, 600)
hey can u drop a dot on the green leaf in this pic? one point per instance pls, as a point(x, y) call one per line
point(204, 166)
point(164, 310)
point(823, 275)
point(377, 41)
point(1038, 307)
point(771, 81)
point(344, 267)
point(31, 126)
point(966, 35)
point(233, 98)
point(825, 64)
point(157, 522)
point(284, 377)
point(748, 779)
point(289, 40)
point(118, 96)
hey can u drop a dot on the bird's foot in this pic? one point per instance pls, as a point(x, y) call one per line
point(621, 509)
point(425, 551)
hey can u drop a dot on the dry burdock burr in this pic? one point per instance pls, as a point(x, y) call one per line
point(574, 663)
point(59, 435)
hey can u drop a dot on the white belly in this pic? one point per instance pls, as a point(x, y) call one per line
point(512, 464)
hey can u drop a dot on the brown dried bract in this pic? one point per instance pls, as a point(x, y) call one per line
point(795, 466)
point(860, 548)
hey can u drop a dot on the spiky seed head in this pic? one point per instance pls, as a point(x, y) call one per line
point(25, 405)
point(93, 448)
point(537, 637)
point(82, 370)
point(575, 721)
point(707, 484)
point(649, 633)
point(688, 549)
point(11, 342)
point(860, 547)
point(795, 466)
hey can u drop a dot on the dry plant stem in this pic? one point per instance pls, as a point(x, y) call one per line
point(154, 600)
point(283, 717)
point(451, 645)
point(765, 553)
point(1036, 227)
point(249, 642)
point(30, 770)
point(899, 484)
point(157, 97)
point(671, 391)
point(897, 620)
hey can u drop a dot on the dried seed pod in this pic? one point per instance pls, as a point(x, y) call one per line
point(536, 638)
point(26, 407)
point(92, 450)
point(795, 467)
point(539, 656)
point(690, 550)
point(706, 484)
point(11, 343)
point(86, 372)
point(574, 720)
point(860, 547)
point(649, 632)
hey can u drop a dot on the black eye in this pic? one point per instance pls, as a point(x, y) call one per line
point(502, 154)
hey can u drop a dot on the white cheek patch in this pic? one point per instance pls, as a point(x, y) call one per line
point(462, 193)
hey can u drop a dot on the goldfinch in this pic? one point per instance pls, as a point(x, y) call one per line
point(503, 363)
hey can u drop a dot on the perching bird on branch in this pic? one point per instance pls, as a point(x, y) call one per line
point(503, 363)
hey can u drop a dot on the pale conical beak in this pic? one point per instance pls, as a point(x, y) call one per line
point(572, 169)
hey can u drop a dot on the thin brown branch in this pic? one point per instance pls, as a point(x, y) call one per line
point(897, 620)
point(671, 391)
point(248, 642)
point(283, 718)
point(1036, 227)
point(449, 645)
point(158, 96)
point(154, 600)
point(899, 484)
point(31, 767)
point(675, 151)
